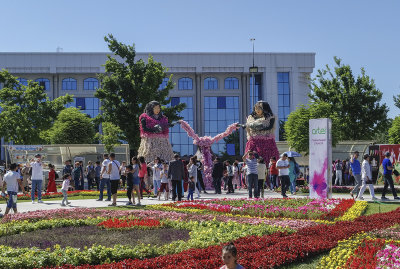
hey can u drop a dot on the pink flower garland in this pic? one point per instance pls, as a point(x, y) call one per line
point(205, 143)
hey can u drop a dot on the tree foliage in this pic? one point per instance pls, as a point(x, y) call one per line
point(26, 111)
point(355, 101)
point(128, 85)
point(394, 131)
point(111, 136)
point(297, 125)
point(396, 100)
point(71, 127)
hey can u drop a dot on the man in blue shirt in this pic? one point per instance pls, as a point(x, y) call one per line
point(387, 174)
point(356, 170)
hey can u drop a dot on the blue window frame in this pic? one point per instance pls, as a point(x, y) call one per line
point(219, 113)
point(23, 81)
point(231, 83)
point(163, 84)
point(210, 83)
point(255, 90)
point(69, 84)
point(88, 105)
point(178, 137)
point(90, 84)
point(44, 82)
point(185, 84)
point(283, 99)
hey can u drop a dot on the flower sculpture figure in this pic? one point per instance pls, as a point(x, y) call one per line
point(205, 143)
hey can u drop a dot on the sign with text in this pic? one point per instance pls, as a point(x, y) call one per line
point(320, 158)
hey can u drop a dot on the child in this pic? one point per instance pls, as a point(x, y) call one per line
point(164, 182)
point(129, 181)
point(229, 256)
point(192, 187)
point(64, 189)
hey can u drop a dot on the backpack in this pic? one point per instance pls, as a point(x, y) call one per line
point(296, 169)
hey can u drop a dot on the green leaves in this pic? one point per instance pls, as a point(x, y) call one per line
point(71, 127)
point(394, 131)
point(127, 86)
point(26, 110)
point(111, 136)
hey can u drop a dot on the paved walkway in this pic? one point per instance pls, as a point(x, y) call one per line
point(92, 203)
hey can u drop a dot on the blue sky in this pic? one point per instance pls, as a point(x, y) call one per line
point(362, 33)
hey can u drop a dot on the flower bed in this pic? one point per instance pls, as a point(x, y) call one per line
point(271, 208)
point(116, 223)
point(262, 242)
point(267, 251)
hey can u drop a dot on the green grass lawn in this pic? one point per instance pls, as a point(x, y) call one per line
point(378, 207)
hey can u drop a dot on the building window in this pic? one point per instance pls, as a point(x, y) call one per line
point(231, 84)
point(178, 137)
point(283, 101)
point(255, 90)
point(163, 84)
point(210, 83)
point(90, 84)
point(69, 84)
point(23, 81)
point(44, 82)
point(88, 105)
point(219, 113)
point(185, 84)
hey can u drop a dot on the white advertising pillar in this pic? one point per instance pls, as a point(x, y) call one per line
point(320, 158)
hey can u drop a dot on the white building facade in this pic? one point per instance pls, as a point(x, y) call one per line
point(217, 88)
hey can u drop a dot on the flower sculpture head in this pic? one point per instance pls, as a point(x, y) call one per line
point(262, 108)
point(153, 109)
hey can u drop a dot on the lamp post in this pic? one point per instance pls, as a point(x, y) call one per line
point(253, 69)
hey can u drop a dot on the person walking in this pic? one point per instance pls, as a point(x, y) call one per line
point(77, 175)
point(82, 179)
point(136, 180)
point(236, 175)
point(105, 178)
point(156, 168)
point(262, 169)
point(283, 166)
point(217, 174)
point(387, 174)
point(26, 176)
point(64, 189)
point(273, 173)
point(51, 186)
point(229, 173)
point(292, 174)
point(142, 175)
point(11, 180)
point(366, 177)
point(67, 168)
point(114, 168)
point(164, 182)
point(37, 178)
point(191, 188)
point(200, 182)
point(192, 170)
point(122, 172)
point(90, 174)
point(251, 173)
point(97, 170)
point(176, 172)
point(356, 171)
point(338, 167)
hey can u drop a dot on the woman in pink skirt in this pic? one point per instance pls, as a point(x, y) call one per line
point(260, 127)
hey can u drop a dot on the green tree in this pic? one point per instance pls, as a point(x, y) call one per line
point(128, 85)
point(297, 125)
point(71, 127)
point(26, 111)
point(355, 101)
point(394, 131)
point(111, 136)
point(396, 100)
